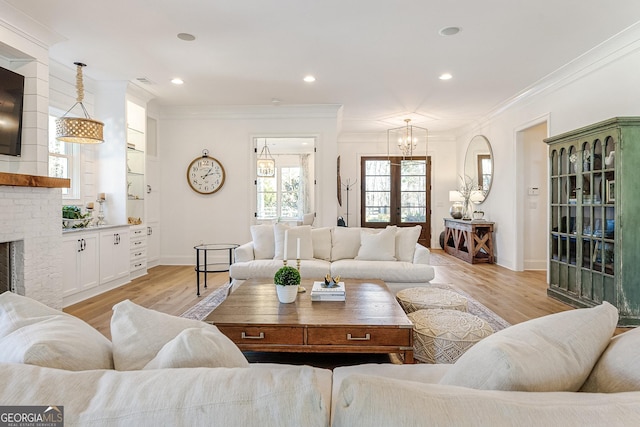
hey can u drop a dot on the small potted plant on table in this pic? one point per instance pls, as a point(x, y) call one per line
point(287, 280)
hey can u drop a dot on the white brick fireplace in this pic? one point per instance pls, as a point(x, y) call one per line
point(30, 217)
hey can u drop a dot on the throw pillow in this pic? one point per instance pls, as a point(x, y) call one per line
point(377, 247)
point(264, 244)
point(138, 334)
point(551, 353)
point(618, 369)
point(321, 240)
point(345, 243)
point(406, 239)
point(32, 333)
point(198, 348)
point(302, 232)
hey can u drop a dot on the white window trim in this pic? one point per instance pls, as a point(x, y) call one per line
point(73, 156)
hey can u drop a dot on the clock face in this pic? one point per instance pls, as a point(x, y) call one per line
point(205, 175)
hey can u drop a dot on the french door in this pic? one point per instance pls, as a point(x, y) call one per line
point(396, 191)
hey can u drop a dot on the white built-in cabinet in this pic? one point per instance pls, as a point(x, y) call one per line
point(94, 261)
point(138, 253)
point(80, 263)
point(114, 254)
point(152, 198)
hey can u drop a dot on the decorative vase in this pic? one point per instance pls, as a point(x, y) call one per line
point(456, 210)
point(287, 294)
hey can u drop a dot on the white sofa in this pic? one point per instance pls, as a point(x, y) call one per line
point(392, 254)
point(563, 369)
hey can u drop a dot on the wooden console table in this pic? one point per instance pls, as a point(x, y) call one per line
point(471, 241)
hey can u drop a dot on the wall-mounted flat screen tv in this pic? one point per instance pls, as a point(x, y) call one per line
point(11, 101)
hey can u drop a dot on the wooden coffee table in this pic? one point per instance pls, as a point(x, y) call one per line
point(369, 321)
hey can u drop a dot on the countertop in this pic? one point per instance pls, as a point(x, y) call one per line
point(93, 228)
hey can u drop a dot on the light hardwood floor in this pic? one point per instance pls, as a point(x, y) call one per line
point(515, 296)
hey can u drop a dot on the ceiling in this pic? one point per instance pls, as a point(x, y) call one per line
point(380, 59)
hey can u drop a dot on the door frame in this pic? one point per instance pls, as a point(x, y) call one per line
point(425, 235)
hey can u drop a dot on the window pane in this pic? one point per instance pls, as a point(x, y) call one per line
point(413, 199)
point(267, 205)
point(413, 214)
point(378, 183)
point(377, 199)
point(377, 167)
point(266, 184)
point(290, 189)
point(378, 214)
point(413, 167)
point(413, 183)
point(58, 167)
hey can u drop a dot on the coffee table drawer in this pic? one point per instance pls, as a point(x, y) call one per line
point(264, 334)
point(359, 336)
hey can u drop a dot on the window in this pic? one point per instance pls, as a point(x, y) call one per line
point(279, 196)
point(62, 161)
point(287, 195)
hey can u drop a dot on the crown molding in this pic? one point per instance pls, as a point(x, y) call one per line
point(18, 22)
point(240, 112)
point(607, 52)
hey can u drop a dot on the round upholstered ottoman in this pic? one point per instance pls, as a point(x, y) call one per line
point(442, 336)
point(414, 299)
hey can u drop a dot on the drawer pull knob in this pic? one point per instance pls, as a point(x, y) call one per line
point(244, 336)
point(367, 337)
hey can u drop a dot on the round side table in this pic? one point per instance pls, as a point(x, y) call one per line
point(205, 267)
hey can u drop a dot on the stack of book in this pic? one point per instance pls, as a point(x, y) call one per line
point(321, 293)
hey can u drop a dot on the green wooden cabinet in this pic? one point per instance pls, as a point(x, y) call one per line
point(594, 243)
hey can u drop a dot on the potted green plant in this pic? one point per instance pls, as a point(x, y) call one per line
point(287, 280)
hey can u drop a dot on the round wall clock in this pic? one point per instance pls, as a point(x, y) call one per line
point(205, 174)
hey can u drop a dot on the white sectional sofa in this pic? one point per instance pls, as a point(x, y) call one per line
point(563, 369)
point(391, 254)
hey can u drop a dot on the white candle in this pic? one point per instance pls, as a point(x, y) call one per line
point(286, 240)
point(298, 249)
point(101, 196)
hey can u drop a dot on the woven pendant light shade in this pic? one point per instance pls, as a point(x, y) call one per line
point(80, 130)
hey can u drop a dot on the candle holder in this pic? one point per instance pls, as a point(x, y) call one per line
point(284, 261)
point(101, 220)
point(301, 288)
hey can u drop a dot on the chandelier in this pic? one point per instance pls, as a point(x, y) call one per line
point(266, 164)
point(407, 138)
point(77, 129)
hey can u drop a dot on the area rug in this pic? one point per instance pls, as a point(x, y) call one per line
point(207, 304)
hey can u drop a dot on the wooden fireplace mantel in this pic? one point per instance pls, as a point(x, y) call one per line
point(20, 180)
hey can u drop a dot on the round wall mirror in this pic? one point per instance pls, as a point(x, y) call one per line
point(478, 164)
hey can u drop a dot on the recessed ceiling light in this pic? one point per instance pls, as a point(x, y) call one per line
point(186, 37)
point(445, 76)
point(450, 31)
point(177, 81)
point(309, 79)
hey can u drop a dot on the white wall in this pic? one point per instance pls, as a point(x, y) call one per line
point(441, 149)
point(603, 84)
point(189, 218)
